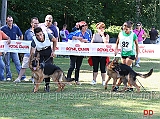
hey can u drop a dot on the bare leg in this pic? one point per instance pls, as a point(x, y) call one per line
point(21, 73)
point(95, 75)
point(103, 75)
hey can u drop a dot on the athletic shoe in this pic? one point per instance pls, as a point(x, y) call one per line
point(8, 79)
point(137, 65)
point(93, 82)
point(70, 79)
point(47, 88)
point(129, 89)
point(32, 79)
point(17, 80)
point(103, 83)
point(77, 83)
point(115, 88)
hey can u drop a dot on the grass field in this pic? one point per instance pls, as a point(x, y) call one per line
point(81, 101)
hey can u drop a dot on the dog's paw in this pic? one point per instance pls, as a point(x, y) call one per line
point(105, 87)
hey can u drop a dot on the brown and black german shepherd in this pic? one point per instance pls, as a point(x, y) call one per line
point(126, 74)
point(112, 74)
point(45, 70)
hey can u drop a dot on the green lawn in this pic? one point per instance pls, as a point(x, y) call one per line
point(81, 101)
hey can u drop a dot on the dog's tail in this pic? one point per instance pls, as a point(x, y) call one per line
point(146, 75)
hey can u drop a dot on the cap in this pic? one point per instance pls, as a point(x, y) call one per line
point(82, 23)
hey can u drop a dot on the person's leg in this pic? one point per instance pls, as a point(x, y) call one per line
point(25, 65)
point(95, 61)
point(77, 69)
point(47, 59)
point(7, 66)
point(72, 65)
point(2, 65)
point(17, 63)
point(138, 60)
point(103, 69)
point(129, 61)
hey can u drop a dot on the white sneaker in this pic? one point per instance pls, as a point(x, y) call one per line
point(103, 83)
point(137, 65)
point(8, 79)
point(93, 82)
point(25, 79)
point(32, 79)
point(17, 80)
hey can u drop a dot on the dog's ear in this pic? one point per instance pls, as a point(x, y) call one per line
point(111, 64)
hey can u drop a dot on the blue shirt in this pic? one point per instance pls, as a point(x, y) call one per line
point(54, 31)
point(85, 36)
point(28, 37)
point(13, 32)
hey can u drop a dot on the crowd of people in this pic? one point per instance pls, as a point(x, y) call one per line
point(41, 34)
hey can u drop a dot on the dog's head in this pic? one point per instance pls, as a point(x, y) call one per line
point(34, 61)
point(114, 63)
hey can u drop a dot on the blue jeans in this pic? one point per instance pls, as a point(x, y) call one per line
point(16, 62)
point(138, 60)
point(1, 68)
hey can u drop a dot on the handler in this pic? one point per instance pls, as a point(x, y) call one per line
point(128, 40)
point(41, 43)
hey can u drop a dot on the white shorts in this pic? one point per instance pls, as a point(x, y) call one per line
point(25, 62)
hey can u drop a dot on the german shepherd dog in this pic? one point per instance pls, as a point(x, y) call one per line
point(112, 74)
point(45, 70)
point(127, 74)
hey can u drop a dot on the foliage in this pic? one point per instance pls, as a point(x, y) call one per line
point(113, 31)
point(111, 12)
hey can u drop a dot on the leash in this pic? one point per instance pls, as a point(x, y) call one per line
point(47, 60)
point(141, 85)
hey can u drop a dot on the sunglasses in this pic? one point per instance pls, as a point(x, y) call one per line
point(10, 20)
point(48, 20)
point(84, 25)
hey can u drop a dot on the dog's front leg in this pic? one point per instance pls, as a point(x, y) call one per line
point(59, 84)
point(105, 87)
point(37, 83)
point(114, 83)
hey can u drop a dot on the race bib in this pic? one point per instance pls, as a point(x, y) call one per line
point(126, 44)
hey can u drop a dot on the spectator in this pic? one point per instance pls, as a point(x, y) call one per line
point(153, 35)
point(76, 27)
point(28, 37)
point(100, 37)
point(89, 31)
point(48, 27)
point(12, 31)
point(56, 25)
point(76, 61)
point(141, 34)
point(3, 36)
point(64, 33)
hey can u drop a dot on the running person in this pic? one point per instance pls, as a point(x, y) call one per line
point(128, 41)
